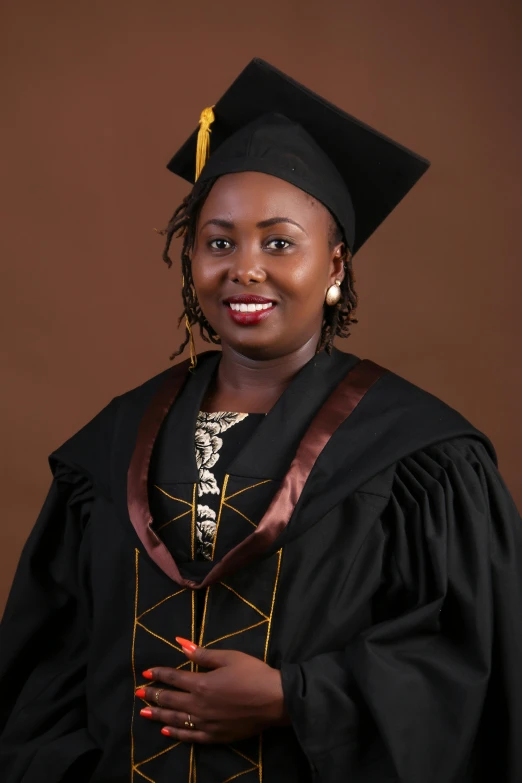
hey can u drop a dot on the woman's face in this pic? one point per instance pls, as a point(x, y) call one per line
point(262, 262)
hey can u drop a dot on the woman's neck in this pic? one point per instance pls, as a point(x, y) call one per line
point(254, 385)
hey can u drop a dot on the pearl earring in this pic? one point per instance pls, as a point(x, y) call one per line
point(333, 294)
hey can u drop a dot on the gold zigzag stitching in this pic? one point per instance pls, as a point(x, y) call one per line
point(276, 583)
point(135, 765)
point(155, 756)
point(135, 769)
point(245, 489)
point(243, 756)
point(204, 619)
point(161, 638)
point(183, 590)
point(193, 528)
point(172, 497)
point(191, 506)
point(244, 600)
point(192, 766)
point(268, 620)
point(222, 500)
point(174, 519)
point(236, 633)
point(240, 774)
point(240, 513)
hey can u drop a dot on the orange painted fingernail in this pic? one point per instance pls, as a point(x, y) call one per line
point(146, 712)
point(140, 693)
point(188, 646)
point(165, 731)
point(148, 674)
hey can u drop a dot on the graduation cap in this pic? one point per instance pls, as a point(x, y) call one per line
point(268, 122)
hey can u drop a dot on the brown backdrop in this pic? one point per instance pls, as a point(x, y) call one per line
point(97, 95)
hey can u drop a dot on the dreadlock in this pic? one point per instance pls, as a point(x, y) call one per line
point(336, 320)
point(183, 224)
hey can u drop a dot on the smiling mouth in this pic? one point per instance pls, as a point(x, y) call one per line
point(251, 307)
point(248, 309)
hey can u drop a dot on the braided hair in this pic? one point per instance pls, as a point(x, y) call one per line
point(336, 320)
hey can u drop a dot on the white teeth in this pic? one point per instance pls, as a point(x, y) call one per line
point(249, 308)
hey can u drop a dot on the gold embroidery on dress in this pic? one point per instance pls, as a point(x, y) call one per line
point(173, 595)
point(244, 756)
point(190, 510)
point(224, 584)
point(240, 774)
point(235, 633)
point(245, 489)
point(161, 638)
point(266, 619)
point(224, 503)
point(172, 497)
point(155, 756)
point(276, 583)
point(136, 766)
point(240, 514)
point(202, 629)
point(143, 775)
point(193, 534)
point(223, 493)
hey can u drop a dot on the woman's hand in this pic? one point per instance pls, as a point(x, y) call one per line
point(239, 697)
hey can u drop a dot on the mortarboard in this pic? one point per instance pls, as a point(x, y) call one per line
point(270, 123)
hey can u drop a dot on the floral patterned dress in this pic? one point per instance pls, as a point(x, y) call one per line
point(218, 438)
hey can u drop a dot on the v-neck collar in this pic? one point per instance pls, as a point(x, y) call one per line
point(340, 403)
point(268, 453)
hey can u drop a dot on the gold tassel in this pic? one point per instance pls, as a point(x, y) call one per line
point(203, 144)
point(202, 154)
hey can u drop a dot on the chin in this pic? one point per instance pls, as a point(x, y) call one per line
point(255, 350)
point(253, 347)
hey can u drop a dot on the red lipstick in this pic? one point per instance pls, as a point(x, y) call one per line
point(249, 309)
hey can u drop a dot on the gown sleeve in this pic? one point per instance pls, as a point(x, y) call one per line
point(43, 645)
point(437, 677)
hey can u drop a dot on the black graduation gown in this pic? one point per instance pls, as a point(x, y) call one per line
point(384, 580)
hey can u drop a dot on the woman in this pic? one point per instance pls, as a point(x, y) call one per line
point(274, 562)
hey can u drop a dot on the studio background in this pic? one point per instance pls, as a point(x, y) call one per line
point(96, 96)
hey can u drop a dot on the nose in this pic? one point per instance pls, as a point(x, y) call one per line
point(245, 270)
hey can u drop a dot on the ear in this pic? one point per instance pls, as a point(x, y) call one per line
point(337, 260)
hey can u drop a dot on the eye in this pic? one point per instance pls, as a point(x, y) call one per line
point(220, 244)
point(278, 244)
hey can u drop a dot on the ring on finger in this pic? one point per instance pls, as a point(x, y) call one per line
point(189, 723)
point(157, 695)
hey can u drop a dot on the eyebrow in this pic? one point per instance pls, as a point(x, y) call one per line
point(218, 222)
point(275, 220)
point(262, 224)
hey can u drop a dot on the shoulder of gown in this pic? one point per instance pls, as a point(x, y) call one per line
point(440, 665)
point(89, 451)
point(395, 419)
point(450, 519)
